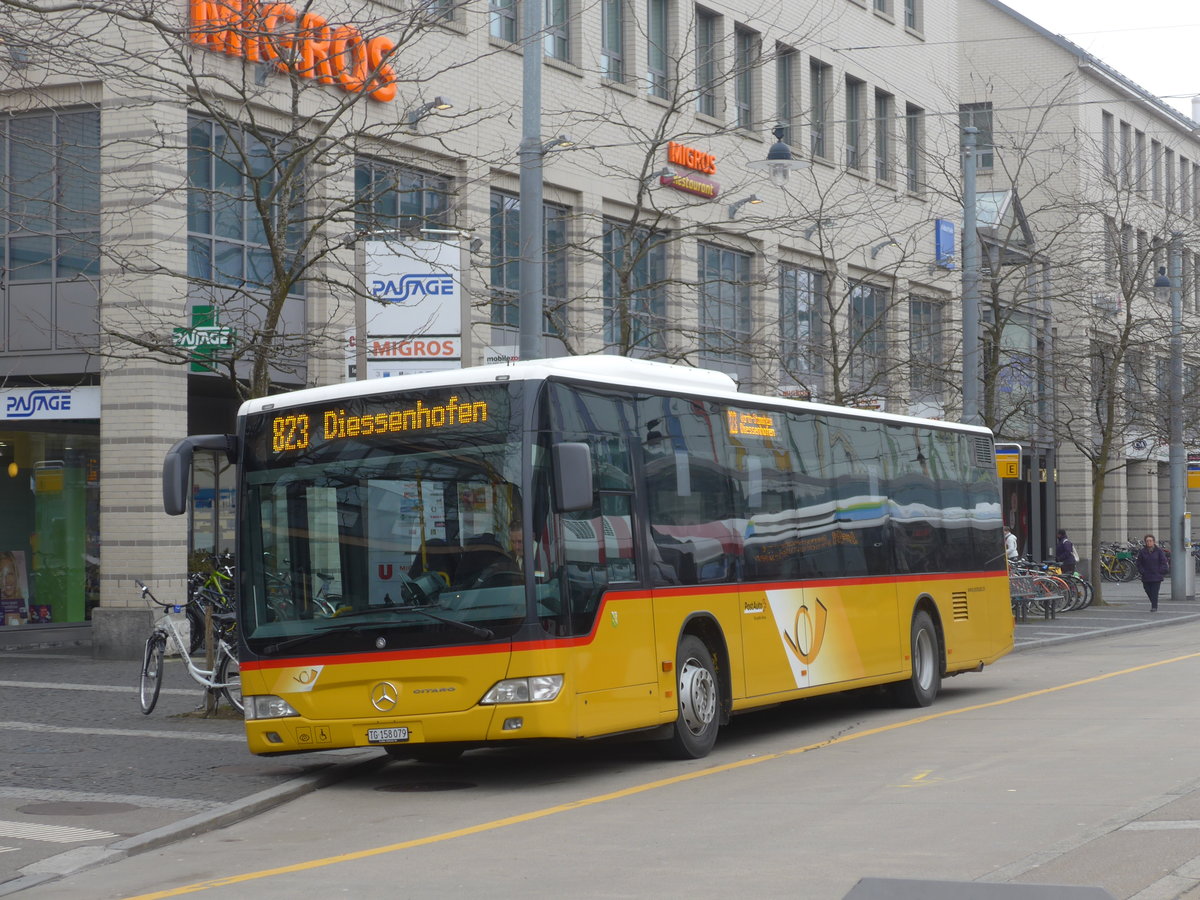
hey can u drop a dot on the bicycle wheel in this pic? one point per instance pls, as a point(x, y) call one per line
point(229, 674)
point(152, 672)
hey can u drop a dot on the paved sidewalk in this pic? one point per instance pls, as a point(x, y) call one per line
point(1126, 609)
point(90, 779)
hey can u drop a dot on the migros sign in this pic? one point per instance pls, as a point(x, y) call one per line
point(301, 42)
point(691, 158)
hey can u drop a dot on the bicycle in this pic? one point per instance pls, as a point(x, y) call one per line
point(224, 677)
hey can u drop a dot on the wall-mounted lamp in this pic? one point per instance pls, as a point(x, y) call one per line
point(413, 116)
point(875, 250)
point(779, 163)
point(262, 72)
point(734, 207)
point(820, 223)
point(656, 177)
point(562, 142)
point(476, 245)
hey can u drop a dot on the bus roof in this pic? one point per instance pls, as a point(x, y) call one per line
point(599, 368)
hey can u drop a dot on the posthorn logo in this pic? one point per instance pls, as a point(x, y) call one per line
point(24, 406)
point(412, 285)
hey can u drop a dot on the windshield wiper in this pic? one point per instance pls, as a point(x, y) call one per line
point(485, 633)
point(271, 649)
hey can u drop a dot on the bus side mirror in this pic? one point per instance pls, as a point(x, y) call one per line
point(572, 477)
point(177, 467)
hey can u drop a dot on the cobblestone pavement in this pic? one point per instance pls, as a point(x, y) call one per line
point(1126, 609)
point(85, 771)
point(89, 778)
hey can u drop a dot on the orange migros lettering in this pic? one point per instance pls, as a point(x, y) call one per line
point(306, 44)
point(810, 632)
point(683, 155)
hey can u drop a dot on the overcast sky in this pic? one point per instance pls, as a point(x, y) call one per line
point(1155, 43)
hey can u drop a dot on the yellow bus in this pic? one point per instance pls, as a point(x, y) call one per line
point(586, 547)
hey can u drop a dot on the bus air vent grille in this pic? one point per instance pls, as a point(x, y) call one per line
point(961, 611)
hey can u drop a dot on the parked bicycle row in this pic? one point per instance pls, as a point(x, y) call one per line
point(1045, 589)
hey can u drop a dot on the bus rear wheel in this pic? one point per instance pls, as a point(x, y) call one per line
point(926, 680)
point(695, 729)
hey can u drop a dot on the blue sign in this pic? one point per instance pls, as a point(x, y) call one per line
point(943, 243)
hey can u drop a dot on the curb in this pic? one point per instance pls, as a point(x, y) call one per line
point(81, 858)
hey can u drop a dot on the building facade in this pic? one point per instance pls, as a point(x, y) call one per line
point(231, 198)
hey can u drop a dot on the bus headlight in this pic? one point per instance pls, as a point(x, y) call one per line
point(535, 689)
point(268, 706)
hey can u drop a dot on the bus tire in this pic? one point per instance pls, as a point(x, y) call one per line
point(926, 680)
point(699, 695)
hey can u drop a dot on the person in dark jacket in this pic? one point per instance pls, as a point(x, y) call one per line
point(1064, 552)
point(1153, 567)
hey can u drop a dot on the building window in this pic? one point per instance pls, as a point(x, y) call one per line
point(1139, 162)
point(914, 15)
point(439, 10)
point(656, 48)
point(49, 198)
point(1112, 244)
point(786, 73)
point(708, 35)
point(1156, 171)
point(557, 42)
point(818, 87)
point(1169, 166)
point(506, 262)
point(925, 351)
point(502, 19)
point(884, 108)
point(883, 6)
point(801, 299)
point(855, 128)
point(914, 138)
point(1125, 162)
point(979, 115)
point(229, 241)
point(612, 40)
point(1185, 186)
point(725, 310)
point(867, 332)
point(635, 288)
point(1107, 127)
point(395, 200)
point(746, 45)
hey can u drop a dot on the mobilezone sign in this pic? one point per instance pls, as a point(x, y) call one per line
point(415, 316)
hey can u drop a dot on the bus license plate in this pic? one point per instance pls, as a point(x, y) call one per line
point(387, 735)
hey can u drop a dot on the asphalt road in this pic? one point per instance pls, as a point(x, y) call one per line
point(91, 780)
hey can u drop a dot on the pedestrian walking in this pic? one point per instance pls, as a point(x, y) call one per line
point(1152, 566)
point(1064, 553)
point(1010, 545)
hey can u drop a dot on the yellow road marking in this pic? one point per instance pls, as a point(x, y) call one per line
point(497, 824)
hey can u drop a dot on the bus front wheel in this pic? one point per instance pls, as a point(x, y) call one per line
point(926, 680)
point(699, 694)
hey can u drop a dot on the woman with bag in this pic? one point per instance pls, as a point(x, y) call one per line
point(1064, 553)
point(1153, 566)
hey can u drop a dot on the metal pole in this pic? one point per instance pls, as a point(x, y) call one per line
point(531, 224)
point(970, 277)
point(1180, 555)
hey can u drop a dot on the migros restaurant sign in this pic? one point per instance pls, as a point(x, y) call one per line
point(304, 43)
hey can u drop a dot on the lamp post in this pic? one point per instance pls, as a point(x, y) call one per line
point(1167, 287)
point(530, 223)
point(970, 280)
point(779, 163)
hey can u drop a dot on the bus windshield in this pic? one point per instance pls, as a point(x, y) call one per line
point(386, 521)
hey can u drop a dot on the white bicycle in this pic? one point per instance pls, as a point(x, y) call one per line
point(225, 675)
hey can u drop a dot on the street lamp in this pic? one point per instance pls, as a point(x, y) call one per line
point(1167, 289)
point(753, 199)
point(779, 163)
